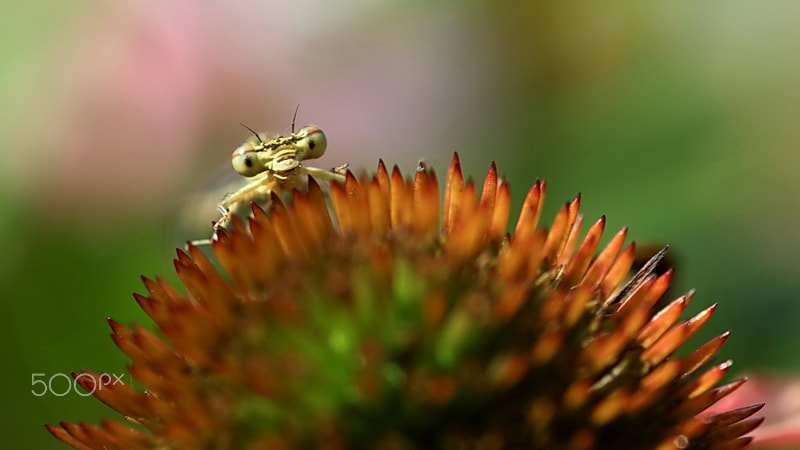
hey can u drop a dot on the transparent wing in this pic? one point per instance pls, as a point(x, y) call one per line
point(191, 216)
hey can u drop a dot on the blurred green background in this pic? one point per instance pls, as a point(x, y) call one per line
point(676, 118)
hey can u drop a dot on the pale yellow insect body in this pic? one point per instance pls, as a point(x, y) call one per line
point(274, 165)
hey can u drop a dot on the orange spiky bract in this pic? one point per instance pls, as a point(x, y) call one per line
point(383, 321)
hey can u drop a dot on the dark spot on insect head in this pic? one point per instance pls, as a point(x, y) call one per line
point(312, 144)
point(248, 162)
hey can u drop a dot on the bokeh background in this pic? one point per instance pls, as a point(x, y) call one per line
point(677, 118)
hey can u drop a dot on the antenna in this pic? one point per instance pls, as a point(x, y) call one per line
point(295, 116)
point(252, 131)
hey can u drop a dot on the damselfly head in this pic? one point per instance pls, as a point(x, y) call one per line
point(278, 154)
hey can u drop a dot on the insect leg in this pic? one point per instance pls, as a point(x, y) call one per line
point(322, 174)
point(260, 184)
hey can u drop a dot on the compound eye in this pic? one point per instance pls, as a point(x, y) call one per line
point(313, 142)
point(245, 161)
